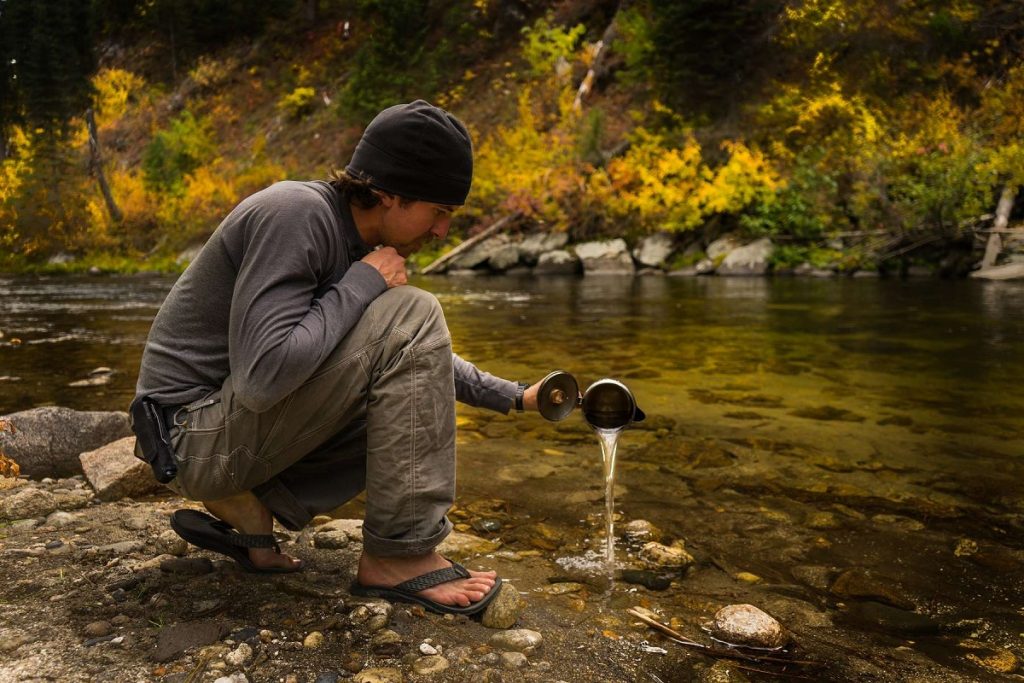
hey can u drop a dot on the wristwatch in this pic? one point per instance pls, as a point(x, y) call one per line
point(521, 387)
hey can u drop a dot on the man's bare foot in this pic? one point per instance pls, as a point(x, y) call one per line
point(249, 516)
point(387, 572)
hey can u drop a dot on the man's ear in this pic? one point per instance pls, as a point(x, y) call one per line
point(387, 200)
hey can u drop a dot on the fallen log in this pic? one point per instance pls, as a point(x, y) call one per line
point(468, 244)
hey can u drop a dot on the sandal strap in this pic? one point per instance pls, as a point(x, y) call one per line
point(248, 540)
point(434, 578)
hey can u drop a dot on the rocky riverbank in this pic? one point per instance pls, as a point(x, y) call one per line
point(98, 588)
point(690, 255)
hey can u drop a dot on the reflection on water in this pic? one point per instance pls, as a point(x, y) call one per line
point(798, 430)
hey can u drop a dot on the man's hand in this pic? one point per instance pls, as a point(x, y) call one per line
point(530, 397)
point(390, 264)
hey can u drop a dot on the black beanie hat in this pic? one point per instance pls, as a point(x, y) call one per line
point(417, 151)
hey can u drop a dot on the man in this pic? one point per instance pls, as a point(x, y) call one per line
point(293, 367)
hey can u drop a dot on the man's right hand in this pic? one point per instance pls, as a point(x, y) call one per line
point(390, 264)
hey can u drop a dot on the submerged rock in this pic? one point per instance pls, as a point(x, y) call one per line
point(640, 530)
point(748, 625)
point(657, 555)
point(860, 583)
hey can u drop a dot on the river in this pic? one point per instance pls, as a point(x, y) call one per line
point(855, 445)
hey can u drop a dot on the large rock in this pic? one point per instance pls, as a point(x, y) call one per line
point(722, 246)
point(504, 258)
point(115, 472)
point(559, 262)
point(654, 250)
point(610, 257)
point(748, 625)
point(482, 252)
point(539, 243)
point(47, 441)
point(750, 259)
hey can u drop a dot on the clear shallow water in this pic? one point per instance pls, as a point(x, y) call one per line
point(799, 429)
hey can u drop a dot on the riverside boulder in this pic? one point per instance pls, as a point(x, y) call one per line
point(115, 472)
point(47, 441)
point(610, 257)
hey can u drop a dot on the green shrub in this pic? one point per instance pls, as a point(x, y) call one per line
point(176, 152)
point(297, 103)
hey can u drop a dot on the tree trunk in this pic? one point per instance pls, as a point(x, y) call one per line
point(601, 50)
point(96, 168)
point(310, 12)
point(995, 238)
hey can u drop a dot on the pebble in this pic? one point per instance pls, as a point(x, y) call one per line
point(505, 608)
point(376, 622)
point(748, 625)
point(428, 649)
point(313, 641)
point(60, 519)
point(122, 548)
point(657, 555)
point(431, 664)
point(239, 656)
point(747, 577)
point(514, 660)
point(11, 640)
point(233, 678)
point(381, 675)
point(331, 539)
point(327, 677)
point(517, 640)
point(386, 641)
point(98, 629)
point(170, 543)
point(53, 545)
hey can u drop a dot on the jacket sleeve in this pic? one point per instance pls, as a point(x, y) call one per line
point(481, 389)
point(279, 334)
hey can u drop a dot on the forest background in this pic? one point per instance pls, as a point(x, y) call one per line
point(855, 133)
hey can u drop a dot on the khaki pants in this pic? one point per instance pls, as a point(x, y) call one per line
point(378, 414)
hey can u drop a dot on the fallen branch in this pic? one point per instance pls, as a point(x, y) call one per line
point(471, 242)
point(710, 650)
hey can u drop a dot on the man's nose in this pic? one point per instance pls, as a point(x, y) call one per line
point(440, 228)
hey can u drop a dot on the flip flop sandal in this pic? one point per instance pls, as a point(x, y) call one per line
point(407, 591)
point(210, 533)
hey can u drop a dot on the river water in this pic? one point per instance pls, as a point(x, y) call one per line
point(847, 454)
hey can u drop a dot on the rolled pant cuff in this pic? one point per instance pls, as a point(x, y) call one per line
point(391, 547)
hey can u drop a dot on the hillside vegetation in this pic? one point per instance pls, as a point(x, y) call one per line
point(852, 132)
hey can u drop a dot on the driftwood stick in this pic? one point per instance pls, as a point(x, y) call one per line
point(712, 651)
point(472, 241)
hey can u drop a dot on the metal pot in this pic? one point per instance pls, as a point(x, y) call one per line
point(607, 403)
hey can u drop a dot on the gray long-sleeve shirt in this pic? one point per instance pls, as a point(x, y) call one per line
point(271, 294)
